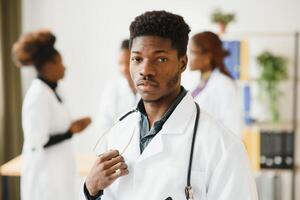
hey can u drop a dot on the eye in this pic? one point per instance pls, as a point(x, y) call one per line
point(162, 59)
point(136, 59)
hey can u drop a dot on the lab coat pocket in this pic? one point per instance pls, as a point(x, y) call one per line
point(198, 183)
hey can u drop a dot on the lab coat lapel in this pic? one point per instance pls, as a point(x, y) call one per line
point(132, 152)
point(125, 137)
point(175, 125)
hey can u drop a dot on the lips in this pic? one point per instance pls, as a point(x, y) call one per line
point(147, 85)
point(147, 82)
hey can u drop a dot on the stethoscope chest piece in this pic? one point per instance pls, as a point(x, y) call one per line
point(189, 193)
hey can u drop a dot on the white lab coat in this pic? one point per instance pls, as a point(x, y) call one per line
point(221, 99)
point(49, 173)
point(220, 169)
point(117, 98)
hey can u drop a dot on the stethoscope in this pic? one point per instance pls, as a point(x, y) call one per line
point(188, 188)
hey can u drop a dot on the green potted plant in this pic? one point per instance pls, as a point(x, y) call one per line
point(223, 19)
point(273, 71)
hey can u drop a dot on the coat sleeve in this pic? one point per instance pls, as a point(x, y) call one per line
point(232, 177)
point(86, 196)
point(36, 118)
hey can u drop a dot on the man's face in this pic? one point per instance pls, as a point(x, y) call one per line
point(155, 67)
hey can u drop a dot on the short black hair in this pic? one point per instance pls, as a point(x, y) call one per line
point(125, 44)
point(163, 24)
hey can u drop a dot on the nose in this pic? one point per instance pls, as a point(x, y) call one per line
point(147, 69)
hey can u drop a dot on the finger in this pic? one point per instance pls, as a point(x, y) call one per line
point(116, 167)
point(118, 174)
point(110, 163)
point(84, 122)
point(86, 119)
point(108, 155)
point(75, 128)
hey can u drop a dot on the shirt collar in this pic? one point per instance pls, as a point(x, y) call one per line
point(51, 84)
point(141, 107)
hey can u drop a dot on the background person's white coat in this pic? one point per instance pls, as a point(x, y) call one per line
point(49, 173)
point(221, 99)
point(117, 99)
point(220, 168)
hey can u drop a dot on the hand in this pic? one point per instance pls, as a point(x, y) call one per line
point(107, 168)
point(80, 125)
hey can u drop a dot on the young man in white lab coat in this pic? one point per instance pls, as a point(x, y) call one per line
point(148, 151)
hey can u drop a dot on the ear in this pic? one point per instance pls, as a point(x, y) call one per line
point(183, 62)
point(208, 60)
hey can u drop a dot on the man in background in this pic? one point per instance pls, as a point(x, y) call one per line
point(119, 96)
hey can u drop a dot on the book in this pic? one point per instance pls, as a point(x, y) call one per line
point(288, 150)
point(275, 185)
point(277, 150)
point(251, 139)
point(244, 60)
point(232, 62)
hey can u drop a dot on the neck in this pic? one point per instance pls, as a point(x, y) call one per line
point(155, 110)
point(41, 76)
point(47, 77)
point(205, 75)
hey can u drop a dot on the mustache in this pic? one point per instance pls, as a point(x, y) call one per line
point(146, 80)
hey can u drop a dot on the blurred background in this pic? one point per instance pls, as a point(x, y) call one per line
point(89, 34)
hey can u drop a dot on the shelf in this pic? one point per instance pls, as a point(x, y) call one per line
point(278, 170)
point(275, 170)
point(253, 80)
point(284, 125)
point(258, 34)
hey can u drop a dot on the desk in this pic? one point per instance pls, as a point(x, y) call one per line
point(13, 168)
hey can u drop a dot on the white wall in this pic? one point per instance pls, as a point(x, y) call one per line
point(89, 34)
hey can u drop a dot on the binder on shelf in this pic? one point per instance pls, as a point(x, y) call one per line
point(247, 104)
point(288, 146)
point(232, 62)
point(251, 138)
point(244, 69)
point(277, 150)
point(274, 185)
point(266, 187)
point(266, 158)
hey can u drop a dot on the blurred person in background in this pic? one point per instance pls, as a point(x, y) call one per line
point(216, 91)
point(49, 169)
point(119, 96)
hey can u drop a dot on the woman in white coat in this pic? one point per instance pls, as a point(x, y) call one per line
point(216, 92)
point(48, 170)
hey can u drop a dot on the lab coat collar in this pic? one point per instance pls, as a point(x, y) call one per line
point(175, 125)
point(52, 85)
point(178, 121)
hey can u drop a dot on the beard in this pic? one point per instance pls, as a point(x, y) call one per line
point(171, 84)
point(173, 81)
